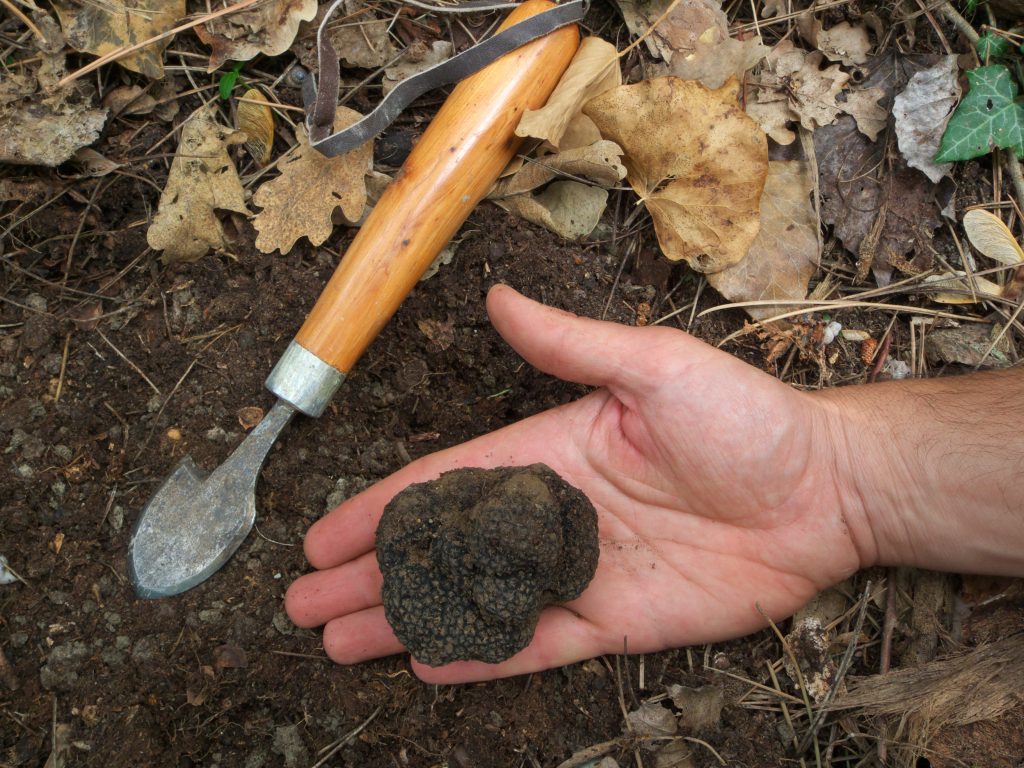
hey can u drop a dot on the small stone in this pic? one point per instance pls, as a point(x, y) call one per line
point(36, 302)
point(63, 453)
point(58, 487)
point(210, 616)
point(25, 472)
point(174, 434)
point(52, 363)
point(146, 650)
point(60, 672)
point(88, 606)
point(122, 642)
point(216, 434)
point(338, 495)
point(57, 597)
point(288, 743)
point(116, 517)
point(8, 370)
point(112, 620)
point(18, 639)
point(154, 404)
point(283, 624)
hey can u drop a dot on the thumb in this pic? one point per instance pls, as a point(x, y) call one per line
point(586, 351)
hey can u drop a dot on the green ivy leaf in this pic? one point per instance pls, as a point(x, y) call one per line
point(988, 116)
point(229, 79)
point(990, 46)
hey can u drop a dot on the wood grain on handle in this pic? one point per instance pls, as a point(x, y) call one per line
point(449, 171)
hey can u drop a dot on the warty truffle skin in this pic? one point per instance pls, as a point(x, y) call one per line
point(470, 559)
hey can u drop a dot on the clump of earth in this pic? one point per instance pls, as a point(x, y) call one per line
point(470, 559)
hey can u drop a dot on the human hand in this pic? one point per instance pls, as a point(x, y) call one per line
point(715, 486)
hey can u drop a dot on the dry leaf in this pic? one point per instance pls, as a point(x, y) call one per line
point(992, 237)
point(40, 125)
point(652, 720)
point(677, 32)
point(862, 105)
point(101, 27)
point(785, 253)
point(25, 190)
point(267, 28)
point(129, 100)
point(202, 179)
point(601, 163)
point(417, 57)
point(843, 42)
point(973, 344)
point(567, 208)
point(716, 58)
point(593, 70)
point(440, 332)
point(315, 185)
point(774, 117)
point(255, 118)
point(581, 132)
point(249, 416)
point(92, 163)
point(697, 161)
point(359, 37)
point(922, 110)
point(957, 288)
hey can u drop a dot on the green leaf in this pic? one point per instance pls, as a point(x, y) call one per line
point(990, 46)
point(229, 79)
point(988, 116)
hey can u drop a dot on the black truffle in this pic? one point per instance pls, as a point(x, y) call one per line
point(470, 559)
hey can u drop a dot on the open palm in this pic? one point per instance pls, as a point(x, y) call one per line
point(714, 486)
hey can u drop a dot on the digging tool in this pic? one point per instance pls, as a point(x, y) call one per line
point(194, 523)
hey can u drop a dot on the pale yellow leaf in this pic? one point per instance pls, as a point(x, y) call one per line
point(202, 179)
point(862, 104)
point(697, 161)
point(959, 289)
point(785, 253)
point(567, 208)
point(593, 70)
point(992, 237)
point(581, 132)
point(714, 62)
point(601, 163)
point(267, 28)
point(300, 201)
point(254, 117)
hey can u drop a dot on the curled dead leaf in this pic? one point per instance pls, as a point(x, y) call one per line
point(440, 332)
point(316, 185)
point(593, 70)
point(249, 416)
point(600, 162)
point(202, 179)
point(785, 254)
point(567, 208)
point(844, 42)
point(959, 288)
point(129, 100)
point(267, 28)
point(255, 118)
point(697, 161)
point(716, 58)
point(989, 235)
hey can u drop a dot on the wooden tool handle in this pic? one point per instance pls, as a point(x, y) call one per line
point(449, 171)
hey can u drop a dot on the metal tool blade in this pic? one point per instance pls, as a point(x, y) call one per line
point(194, 522)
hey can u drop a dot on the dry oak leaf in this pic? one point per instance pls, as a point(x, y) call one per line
point(593, 70)
point(785, 253)
point(267, 28)
point(862, 105)
point(314, 185)
point(843, 42)
point(415, 59)
point(202, 180)
point(601, 162)
point(357, 35)
point(696, 160)
point(101, 27)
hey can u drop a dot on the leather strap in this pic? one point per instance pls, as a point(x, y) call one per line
point(321, 103)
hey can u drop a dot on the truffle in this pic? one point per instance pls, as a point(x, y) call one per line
point(470, 559)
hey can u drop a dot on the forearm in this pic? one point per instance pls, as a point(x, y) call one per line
point(932, 471)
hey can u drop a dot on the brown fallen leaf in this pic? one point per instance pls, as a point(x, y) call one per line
point(230, 657)
point(249, 416)
point(101, 27)
point(795, 77)
point(359, 37)
point(315, 185)
point(844, 42)
point(267, 28)
point(202, 179)
point(440, 332)
point(417, 57)
point(716, 58)
point(255, 118)
point(601, 163)
point(678, 32)
point(567, 208)
point(129, 100)
point(862, 105)
point(580, 132)
point(785, 253)
point(697, 161)
point(593, 70)
point(92, 164)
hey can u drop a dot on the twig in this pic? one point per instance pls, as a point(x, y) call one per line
point(334, 748)
point(63, 369)
point(588, 755)
point(650, 30)
point(1012, 165)
point(133, 365)
point(881, 356)
point(963, 25)
point(24, 20)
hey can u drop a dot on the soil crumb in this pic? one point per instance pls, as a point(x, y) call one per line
point(470, 559)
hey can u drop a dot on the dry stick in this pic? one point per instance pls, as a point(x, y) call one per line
point(24, 19)
point(336, 747)
point(63, 369)
point(126, 50)
point(134, 367)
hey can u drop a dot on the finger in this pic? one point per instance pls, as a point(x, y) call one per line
point(318, 597)
point(562, 637)
point(360, 637)
point(348, 532)
point(587, 351)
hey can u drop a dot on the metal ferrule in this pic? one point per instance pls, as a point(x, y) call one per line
point(304, 380)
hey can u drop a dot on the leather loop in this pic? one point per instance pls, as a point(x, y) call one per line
point(321, 103)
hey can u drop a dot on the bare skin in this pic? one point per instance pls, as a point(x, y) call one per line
point(720, 491)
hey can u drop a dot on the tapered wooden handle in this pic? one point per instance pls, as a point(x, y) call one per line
point(451, 168)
